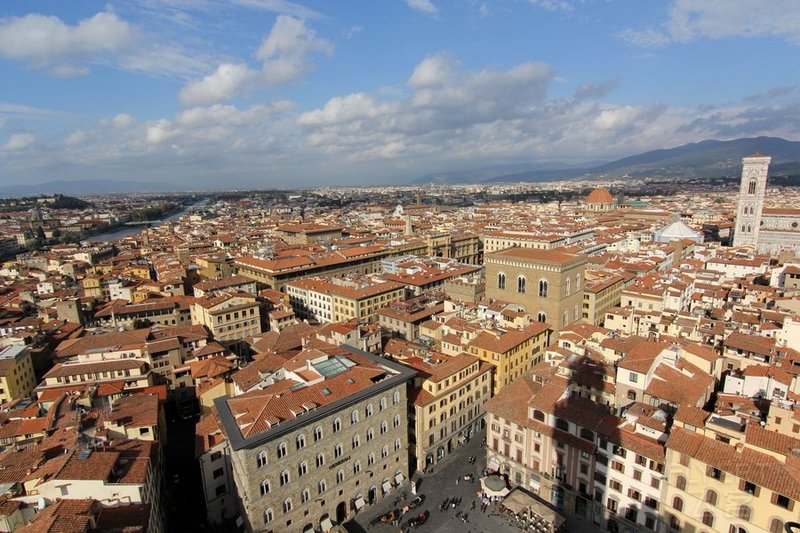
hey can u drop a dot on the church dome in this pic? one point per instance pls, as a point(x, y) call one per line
point(599, 196)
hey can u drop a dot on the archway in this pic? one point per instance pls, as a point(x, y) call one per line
point(341, 512)
point(372, 494)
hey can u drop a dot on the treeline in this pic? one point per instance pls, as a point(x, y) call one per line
point(154, 212)
point(59, 201)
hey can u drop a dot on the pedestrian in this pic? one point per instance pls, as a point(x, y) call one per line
point(456, 481)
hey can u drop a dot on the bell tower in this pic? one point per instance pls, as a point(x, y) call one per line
point(751, 199)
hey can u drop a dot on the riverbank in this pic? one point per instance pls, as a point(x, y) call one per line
point(123, 231)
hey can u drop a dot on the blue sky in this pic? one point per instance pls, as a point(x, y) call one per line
point(272, 93)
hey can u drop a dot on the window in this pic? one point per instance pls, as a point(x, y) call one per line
point(305, 496)
point(543, 288)
point(632, 395)
point(287, 505)
point(521, 284)
point(354, 417)
point(384, 452)
point(396, 397)
point(281, 450)
point(368, 409)
point(261, 459)
point(285, 477)
point(356, 441)
point(751, 187)
point(382, 404)
point(370, 434)
point(371, 459)
point(501, 281)
point(337, 451)
point(339, 476)
point(684, 459)
point(776, 526)
point(567, 287)
point(398, 444)
point(612, 505)
point(218, 473)
point(711, 497)
point(396, 422)
point(715, 473)
point(782, 501)
point(677, 504)
point(300, 441)
point(317, 434)
point(356, 467)
point(562, 424)
point(633, 377)
point(541, 317)
point(384, 427)
point(302, 469)
point(708, 519)
point(321, 486)
point(680, 483)
point(744, 512)
point(320, 459)
point(268, 516)
point(264, 487)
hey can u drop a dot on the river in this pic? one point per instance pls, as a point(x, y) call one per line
point(135, 230)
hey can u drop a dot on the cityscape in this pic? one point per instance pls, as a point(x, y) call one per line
point(331, 267)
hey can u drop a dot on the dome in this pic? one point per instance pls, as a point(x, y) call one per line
point(599, 196)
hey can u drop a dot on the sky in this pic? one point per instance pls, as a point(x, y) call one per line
point(274, 93)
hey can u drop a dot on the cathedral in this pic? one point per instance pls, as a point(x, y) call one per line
point(768, 230)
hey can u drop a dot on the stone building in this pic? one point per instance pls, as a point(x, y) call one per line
point(326, 438)
point(548, 284)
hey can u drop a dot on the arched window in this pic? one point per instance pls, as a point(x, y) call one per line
point(543, 288)
point(368, 410)
point(264, 487)
point(384, 452)
point(749, 228)
point(371, 459)
point(521, 284)
point(317, 434)
point(711, 497)
point(396, 422)
point(285, 477)
point(565, 319)
point(396, 397)
point(302, 469)
point(321, 486)
point(383, 404)
point(354, 417)
point(268, 516)
point(356, 441)
point(261, 459)
point(577, 282)
point(300, 441)
point(744, 228)
point(287, 505)
point(708, 519)
point(677, 504)
point(538, 415)
point(680, 483)
point(674, 522)
point(320, 459)
point(744, 512)
point(337, 451)
point(398, 444)
point(501, 281)
point(541, 317)
point(281, 450)
point(567, 287)
point(305, 496)
point(356, 467)
point(337, 425)
point(776, 526)
point(751, 187)
point(339, 476)
point(370, 434)
point(384, 427)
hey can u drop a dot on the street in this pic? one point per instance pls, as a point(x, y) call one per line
point(436, 487)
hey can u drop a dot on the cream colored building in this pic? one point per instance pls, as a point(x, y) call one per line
point(548, 284)
point(229, 316)
point(17, 379)
point(601, 295)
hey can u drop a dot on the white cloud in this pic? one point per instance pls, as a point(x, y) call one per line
point(425, 6)
point(691, 20)
point(223, 84)
point(68, 71)
point(18, 142)
point(352, 30)
point(122, 120)
point(281, 6)
point(39, 40)
point(286, 49)
point(434, 70)
point(75, 138)
point(285, 54)
point(553, 5)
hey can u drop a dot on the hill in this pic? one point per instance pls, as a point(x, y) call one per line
point(708, 158)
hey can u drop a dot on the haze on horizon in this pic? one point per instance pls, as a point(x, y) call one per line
point(273, 93)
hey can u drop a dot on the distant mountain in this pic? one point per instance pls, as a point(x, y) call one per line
point(703, 159)
point(82, 187)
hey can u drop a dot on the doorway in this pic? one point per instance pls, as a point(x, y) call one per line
point(341, 512)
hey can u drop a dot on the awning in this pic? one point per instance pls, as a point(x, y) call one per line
point(386, 486)
point(326, 524)
point(308, 528)
point(398, 478)
point(494, 486)
point(494, 464)
point(359, 503)
point(462, 439)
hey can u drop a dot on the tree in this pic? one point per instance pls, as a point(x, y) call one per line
point(40, 234)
